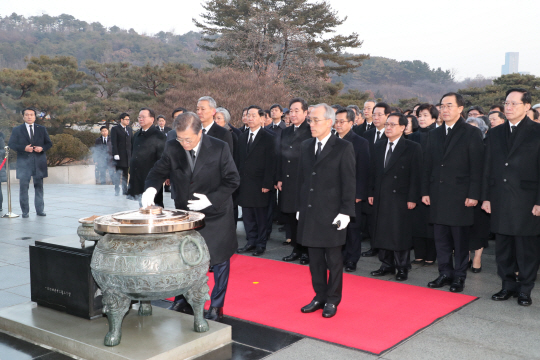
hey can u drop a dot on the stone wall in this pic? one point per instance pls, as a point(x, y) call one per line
point(67, 174)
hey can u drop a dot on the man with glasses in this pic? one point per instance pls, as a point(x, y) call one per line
point(451, 182)
point(511, 193)
point(203, 168)
point(206, 109)
point(344, 123)
point(368, 115)
point(326, 198)
point(394, 191)
point(147, 147)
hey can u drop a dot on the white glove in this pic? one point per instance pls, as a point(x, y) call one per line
point(298, 215)
point(198, 205)
point(343, 219)
point(148, 196)
point(116, 157)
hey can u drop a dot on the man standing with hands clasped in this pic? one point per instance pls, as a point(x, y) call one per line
point(326, 199)
point(511, 193)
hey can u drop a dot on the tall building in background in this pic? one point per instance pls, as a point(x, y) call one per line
point(511, 63)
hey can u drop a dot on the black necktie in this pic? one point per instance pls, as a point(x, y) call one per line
point(274, 127)
point(388, 155)
point(192, 152)
point(204, 131)
point(32, 135)
point(319, 146)
point(378, 136)
point(448, 131)
point(250, 141)
point(104, 141)
point(513, 128)
point(295, 128)
point(368, 126)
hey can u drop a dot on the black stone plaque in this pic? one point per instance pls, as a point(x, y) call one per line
point(60, 277)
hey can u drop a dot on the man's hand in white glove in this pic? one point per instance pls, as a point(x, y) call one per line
point(148, 196)
point(116, 157)
point(298, 215)
point(343, 221)
point(198, 205)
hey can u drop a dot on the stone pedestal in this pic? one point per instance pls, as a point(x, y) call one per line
point(164, 335)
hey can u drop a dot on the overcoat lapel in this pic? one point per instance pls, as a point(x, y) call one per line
point(326, 150)
point(203, 156)
point(255, 142)
point(521, 135)
point(455, 134)
point(399, 149)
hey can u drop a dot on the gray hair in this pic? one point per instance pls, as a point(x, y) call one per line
point(479, 124)
point(210, 100)
point(355, 108)
point(370, 100)
point(188, 120)
point(225, 113)
point(328, 112)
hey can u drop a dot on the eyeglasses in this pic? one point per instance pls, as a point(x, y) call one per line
point(378, 115)
point(390, 125)
point(341, 122)
point(511, 103)
point(187, 141)
point(449, 106)
point(315, 121)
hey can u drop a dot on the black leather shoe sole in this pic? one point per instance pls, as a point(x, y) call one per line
point(312, 307)
point(245, 249)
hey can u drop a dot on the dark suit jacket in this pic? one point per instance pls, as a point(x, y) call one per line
point(392, 187)
point(512, 179)
point(215, 176)
point(288, 160)
point(278, 128)
point(147, 149)
point(30, 164)
point(243, 128)
point(121, 144)
point(256, 168)
point(326, 188)
point(171, 135)
point(452, 172)
point(370, 135)
point(165, 131)
point(235, 130)
point(103, 154)
point(362, 128)
point(361, 154)
point(222, 134)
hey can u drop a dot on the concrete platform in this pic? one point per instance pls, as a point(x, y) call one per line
point(164, 335)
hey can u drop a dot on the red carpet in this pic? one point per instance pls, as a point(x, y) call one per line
point(272, 292)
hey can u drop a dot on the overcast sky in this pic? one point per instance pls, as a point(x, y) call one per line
point(469, 37)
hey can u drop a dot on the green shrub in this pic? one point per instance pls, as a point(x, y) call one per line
point(66, 149)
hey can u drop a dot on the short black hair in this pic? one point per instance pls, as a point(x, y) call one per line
point(500, 107)
point(301, 101)
point(183, 110)
point(103, 127)
point(431, 108)
point(355, 108)
point(160, 117)
point(402, 118)
point(536, 114)
point(336, 107)
point(260, 110)
point(267, 112)
point(350, 113)
point(499, 113)
point(150, 112)
point(122, 116)
point(477, 108)
point(244, 110)
point(459, 98)
point(414, 122)
point(486, 120)
point(276, 106)
point(385, 106)
point(30, 109)
point(525, 95)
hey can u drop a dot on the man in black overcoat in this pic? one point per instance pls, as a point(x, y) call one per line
point(394, 191)
point(352, 248)
point(162, 125)
point(121, 136)
point(373, 135)
point(255, 158)
point(103, 157)
point(31, 142)
point(206, 109)
point(451, 182)
point(204, 169)
point(277, 125)
point(147, 147)
point(287, 172)
point(368, 115)
point(326, 198)
point(511, 193)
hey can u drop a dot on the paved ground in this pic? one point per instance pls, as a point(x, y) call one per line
point(483, 330)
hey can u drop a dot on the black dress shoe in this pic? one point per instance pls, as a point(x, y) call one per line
point(439, 282)
point(41, 214)
point(350, 266)
point(304, 259)
point(258, 252)
point(370, 253)
point(524, 299)
point(382, 272)
point(25, 216)
point(402, 275)
point(313, 306)
point(214, 314)
point(246, 248)
point(181, 306)
point(457, 285)
point(476, 270)
point(329, 310)
point(428, 263)
point(211, 269)
point(420, 262)
point(286, 243)
point(504, 295)
point(293, 256)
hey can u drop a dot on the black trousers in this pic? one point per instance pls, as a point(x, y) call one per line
point(328, 288)
point(448, 239)
point(121, 179)
point(353, 247)
point(221, 280)
point(101, 174)
point(255, 225)
point(24, 184)
point(522, 251)
point(367, 228)
point(290, 219)
point(424, 248)
point(394, 259)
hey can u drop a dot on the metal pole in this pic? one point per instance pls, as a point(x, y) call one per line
point(9, 214)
